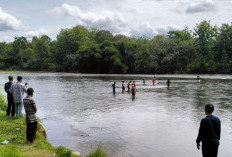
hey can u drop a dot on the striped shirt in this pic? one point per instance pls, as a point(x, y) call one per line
point(30, 109)
point(18, 90)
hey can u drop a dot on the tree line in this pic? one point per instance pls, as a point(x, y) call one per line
point(205, 49)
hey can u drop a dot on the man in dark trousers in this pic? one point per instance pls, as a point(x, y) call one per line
point(30, 109)
point(209, 133)
point(11, 105)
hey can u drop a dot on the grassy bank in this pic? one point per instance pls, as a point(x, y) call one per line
point(13, 130)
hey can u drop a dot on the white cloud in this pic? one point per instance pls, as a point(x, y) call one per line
point(166, 28)
point(143, 30)
point(36, 33)
point(65, 10)
point(149, 31)
point(129, 17)
point(203, 6)
point(105, 20)
point(9, 22)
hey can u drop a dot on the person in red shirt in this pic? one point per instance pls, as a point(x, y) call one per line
point(153, 81)
point(133, 84)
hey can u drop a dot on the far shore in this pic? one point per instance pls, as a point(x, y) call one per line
point(185, 76)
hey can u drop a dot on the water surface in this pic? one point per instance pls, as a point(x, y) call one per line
point(81, 112)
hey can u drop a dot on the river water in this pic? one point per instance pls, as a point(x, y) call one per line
point(81, 112)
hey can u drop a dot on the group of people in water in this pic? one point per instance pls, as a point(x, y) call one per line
point(16, 101)
point(131, 85)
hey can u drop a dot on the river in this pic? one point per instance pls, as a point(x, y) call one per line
point(81, 112)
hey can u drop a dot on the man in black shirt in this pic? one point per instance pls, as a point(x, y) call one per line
point(114, 86)
point(209, 133)
point(11, 105)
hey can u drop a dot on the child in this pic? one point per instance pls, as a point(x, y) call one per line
point(30, 109)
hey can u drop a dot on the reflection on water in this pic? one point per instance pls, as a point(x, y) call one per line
point(81, 112)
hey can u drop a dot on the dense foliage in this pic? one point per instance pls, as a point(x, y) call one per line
point(206, 49)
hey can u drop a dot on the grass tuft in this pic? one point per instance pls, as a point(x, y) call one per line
point(97, 153)
point(3, 104)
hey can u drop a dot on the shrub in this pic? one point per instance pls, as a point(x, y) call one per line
point(63, 152)
point(3, 104)
point(97, 153)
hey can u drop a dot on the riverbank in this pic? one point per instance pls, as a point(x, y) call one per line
point(13, 139)
point(13, 135)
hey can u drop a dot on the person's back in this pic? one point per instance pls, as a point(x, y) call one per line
point(18, 90)
point(11, 105)
point(133, 90)
point(30, 109)
point(209, 133)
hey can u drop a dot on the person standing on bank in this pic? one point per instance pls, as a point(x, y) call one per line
point(11, 105)
point(18, 90)
point(30, 109)
point(209, 133)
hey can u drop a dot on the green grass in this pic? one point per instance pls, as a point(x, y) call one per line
point(3, 104)
point(97, 153)
point(14, 130)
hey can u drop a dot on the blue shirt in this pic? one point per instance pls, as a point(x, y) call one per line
point(210, 130)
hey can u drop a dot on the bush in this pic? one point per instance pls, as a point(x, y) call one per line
point(97, 153)
point(63, 152)
point(3, 104)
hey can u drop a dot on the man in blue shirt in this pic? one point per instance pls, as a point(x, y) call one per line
point(209, 133)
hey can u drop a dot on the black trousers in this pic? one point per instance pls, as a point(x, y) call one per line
point(210, 149)
point(11, 106)
point(31, 131)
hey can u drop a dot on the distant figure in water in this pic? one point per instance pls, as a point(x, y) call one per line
point(128, 86)
point(133, 90)
point(133, 84)
point(209, 133)
point(153, 81)
point(123, 86)
point(144, 81)
point(198, 77)
point(113, 85)
point(168, 82)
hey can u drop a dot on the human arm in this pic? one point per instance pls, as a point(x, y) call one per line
point(5, 87)
point(199, 137)
point(219, 129)
point(34, 106)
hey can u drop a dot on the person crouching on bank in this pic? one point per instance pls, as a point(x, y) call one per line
point(30, 109)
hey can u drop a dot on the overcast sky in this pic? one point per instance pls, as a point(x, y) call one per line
point(130, 17)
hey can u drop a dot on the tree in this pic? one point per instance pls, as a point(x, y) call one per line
point(68, 43)
point(103, 35)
